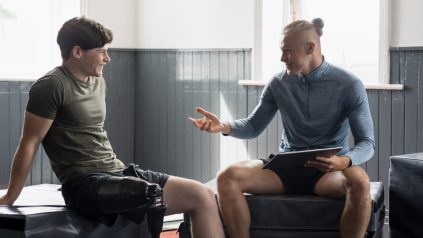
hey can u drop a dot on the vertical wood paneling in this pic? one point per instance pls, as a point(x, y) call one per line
point(171, 105)
point(162, 129)
point(119, 124)
point(232, 101)
point(180, 136)
point(420, 104)
point(165, 87)
point(242, 73)
point(397, 123)
point(272, 137)
point(280, 129)
point(215, 108)
point(140, 108)
point(251, 104)
point(205, 103)
point(394, 69)
point(33, 176)
point(384, 138)
point(373, 164)
point(197, 148)
point(224, 156)
point(411, 102)
point(262, 138)
point(4, 132)
point(188, 107)
point(155, 99)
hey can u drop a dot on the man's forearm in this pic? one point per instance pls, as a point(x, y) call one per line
point(21, 166)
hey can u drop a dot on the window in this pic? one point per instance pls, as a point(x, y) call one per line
point(354, 35)
point(28, 31)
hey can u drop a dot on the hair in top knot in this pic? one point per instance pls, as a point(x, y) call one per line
point(303, 25)
point(318, 24)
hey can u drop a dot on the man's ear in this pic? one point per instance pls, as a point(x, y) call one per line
point(76, 51)
point(310, 47)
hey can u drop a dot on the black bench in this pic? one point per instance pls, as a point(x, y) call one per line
point(40, 212)
point(304, 216)
point(405, 196)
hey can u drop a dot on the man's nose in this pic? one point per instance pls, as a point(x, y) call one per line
point(107, 58)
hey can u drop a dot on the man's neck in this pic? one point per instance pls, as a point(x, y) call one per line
point(315, 63)
point(75, 71)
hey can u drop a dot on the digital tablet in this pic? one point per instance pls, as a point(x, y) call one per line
point(298, 158)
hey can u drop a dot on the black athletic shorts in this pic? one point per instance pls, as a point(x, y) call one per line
point(80, 191)
point(298, 180)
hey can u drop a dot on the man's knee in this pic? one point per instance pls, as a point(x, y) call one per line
point(358, 185)
point(232, 179)
point(230, 175)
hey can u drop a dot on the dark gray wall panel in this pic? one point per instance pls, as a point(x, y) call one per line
point(196, 100)
point(242, 110)
point(5, 135)
point(373, 164)
point(215, 108)
point(384, 137)
point(119, 124)
point(190, 78)
point(411, 101)
point(420, 104)
point(252, 99)
point(206, 161)
point(397, 146)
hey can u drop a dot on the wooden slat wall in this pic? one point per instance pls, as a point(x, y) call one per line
point(152, 92)
point(170, 85)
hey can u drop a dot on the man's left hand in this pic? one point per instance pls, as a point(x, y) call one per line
point(326, 165)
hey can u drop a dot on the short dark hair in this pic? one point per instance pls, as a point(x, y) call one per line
point(86, 33)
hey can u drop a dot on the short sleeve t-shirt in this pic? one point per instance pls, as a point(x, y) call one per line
point(76, 142)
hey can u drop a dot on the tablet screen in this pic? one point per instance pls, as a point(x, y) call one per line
point(298, 158)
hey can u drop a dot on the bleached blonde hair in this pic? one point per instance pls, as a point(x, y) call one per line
point(302, 25)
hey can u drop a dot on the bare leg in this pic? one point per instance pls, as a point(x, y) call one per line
point(353, 184)
point(184, 195)
point(245, 176)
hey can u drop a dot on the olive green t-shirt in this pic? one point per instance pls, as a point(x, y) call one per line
point(76, 142)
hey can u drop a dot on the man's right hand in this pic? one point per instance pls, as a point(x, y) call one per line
point(4, 200)
point(209, 122)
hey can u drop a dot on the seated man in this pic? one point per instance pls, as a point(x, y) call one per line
point(66, 112)
point(319, 103)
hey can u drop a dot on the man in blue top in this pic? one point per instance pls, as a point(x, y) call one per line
point(319, 104)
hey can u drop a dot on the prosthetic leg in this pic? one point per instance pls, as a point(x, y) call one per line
point(133, 198)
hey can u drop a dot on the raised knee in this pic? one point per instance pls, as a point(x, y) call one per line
point(228, 176)
point(358, 188)
point(230, 181)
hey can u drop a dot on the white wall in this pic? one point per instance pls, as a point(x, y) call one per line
point(214, 23)
point(119, 16)
point(176, 23)
point(196, 23)
point(406, 22)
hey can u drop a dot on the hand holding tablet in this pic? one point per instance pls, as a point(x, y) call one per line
point(298, 158)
